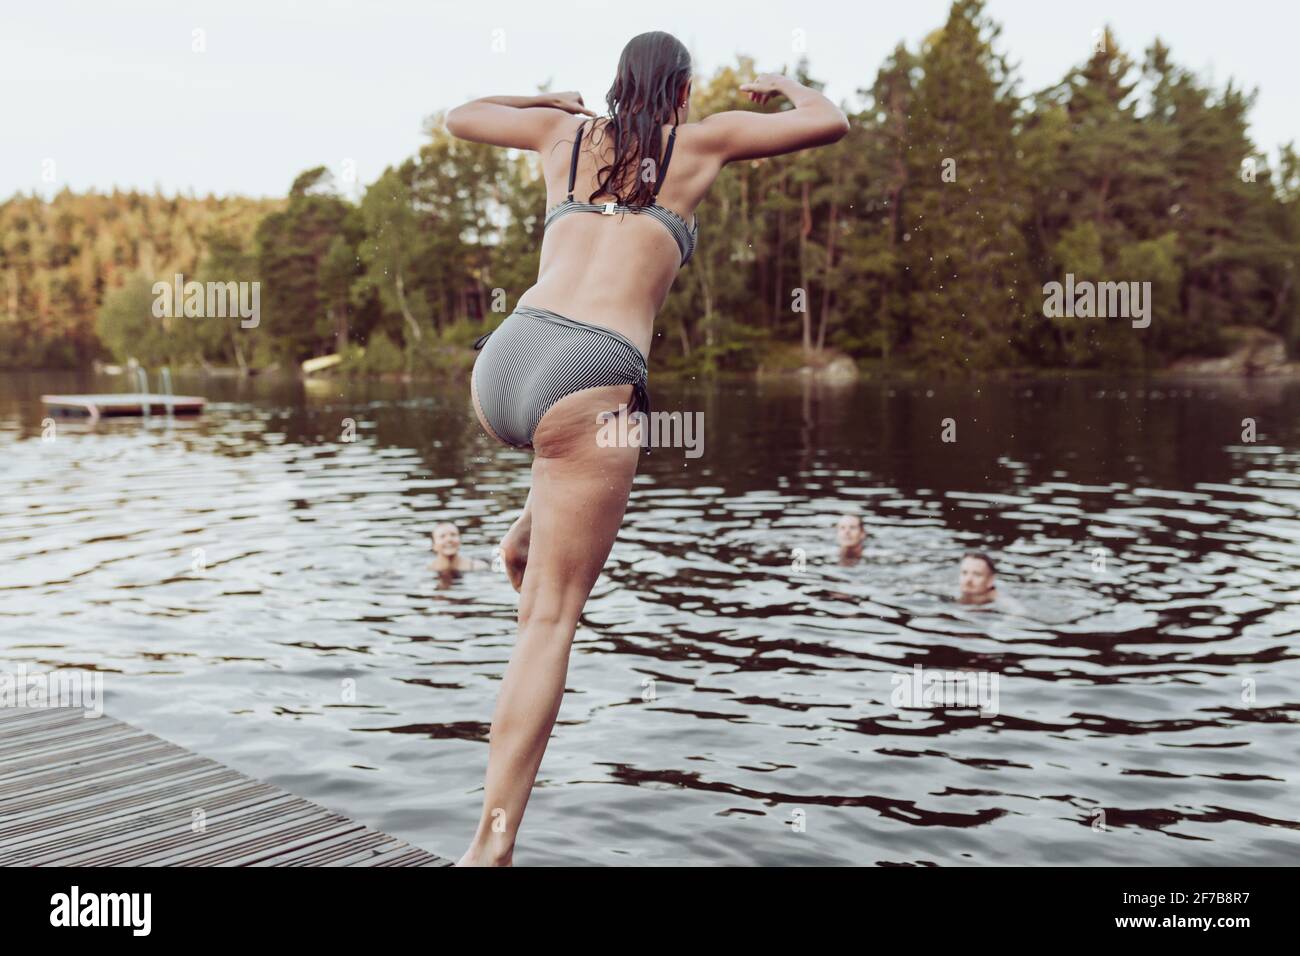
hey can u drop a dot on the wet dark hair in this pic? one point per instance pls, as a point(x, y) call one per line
point(642, 99)
point(981, 556)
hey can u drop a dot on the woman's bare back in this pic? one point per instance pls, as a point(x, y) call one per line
point(614, 271)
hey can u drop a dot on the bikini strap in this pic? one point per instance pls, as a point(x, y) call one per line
point(668, 155)
point(573, 163)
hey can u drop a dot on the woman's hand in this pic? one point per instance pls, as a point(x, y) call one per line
point(752, 134)
point(764, 86)
point(570, 102)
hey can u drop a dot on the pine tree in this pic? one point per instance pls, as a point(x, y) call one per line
point(963, 248)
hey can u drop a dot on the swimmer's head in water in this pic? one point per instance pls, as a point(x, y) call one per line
point(849, 531)
point(977, 579)
point(446, 540)
point(651, 89)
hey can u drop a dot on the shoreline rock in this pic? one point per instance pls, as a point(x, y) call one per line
point(829, 365)
point(1257, 354)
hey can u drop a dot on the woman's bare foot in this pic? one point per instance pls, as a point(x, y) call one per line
point(475, 858)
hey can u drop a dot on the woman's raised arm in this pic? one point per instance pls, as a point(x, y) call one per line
point(522, 122)
point(742, 134)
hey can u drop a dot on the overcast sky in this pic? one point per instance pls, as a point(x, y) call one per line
point(98, 94)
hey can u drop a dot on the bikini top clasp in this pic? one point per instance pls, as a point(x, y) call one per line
point(684, 235)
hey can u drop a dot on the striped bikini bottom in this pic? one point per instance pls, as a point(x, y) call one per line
point(536, 357)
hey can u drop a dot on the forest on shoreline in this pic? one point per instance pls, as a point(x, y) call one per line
point(923, 240)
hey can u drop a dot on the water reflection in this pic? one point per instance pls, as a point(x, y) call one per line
point(259, 589)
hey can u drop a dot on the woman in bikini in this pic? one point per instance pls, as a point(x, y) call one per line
point(574, 350)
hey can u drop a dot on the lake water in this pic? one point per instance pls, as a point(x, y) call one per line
point(258, 590)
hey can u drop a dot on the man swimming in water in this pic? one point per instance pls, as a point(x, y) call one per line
point(850, 535)
point(446, 549)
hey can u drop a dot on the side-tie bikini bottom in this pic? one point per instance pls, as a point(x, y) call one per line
point(536, 357)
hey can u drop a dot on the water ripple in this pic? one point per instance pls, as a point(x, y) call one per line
point(258, 589)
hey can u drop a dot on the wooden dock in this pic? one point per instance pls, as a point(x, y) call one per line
point(79, 791)
point(125, 403)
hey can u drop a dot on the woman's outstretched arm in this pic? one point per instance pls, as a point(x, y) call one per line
point(523, 122)
point(742, 134)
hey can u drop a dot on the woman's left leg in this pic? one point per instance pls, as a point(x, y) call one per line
point(514, 546)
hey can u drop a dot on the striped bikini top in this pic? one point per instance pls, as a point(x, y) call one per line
point(675, 224)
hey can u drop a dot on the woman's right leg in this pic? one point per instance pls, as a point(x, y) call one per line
point(578, 497)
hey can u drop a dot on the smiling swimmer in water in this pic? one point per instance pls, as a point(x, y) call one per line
point(446, 550)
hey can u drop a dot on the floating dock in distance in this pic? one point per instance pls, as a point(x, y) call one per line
point(95, 791)
point(320, 363)
point(126, 403)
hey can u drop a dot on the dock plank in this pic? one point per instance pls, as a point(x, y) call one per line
point(78, 791)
